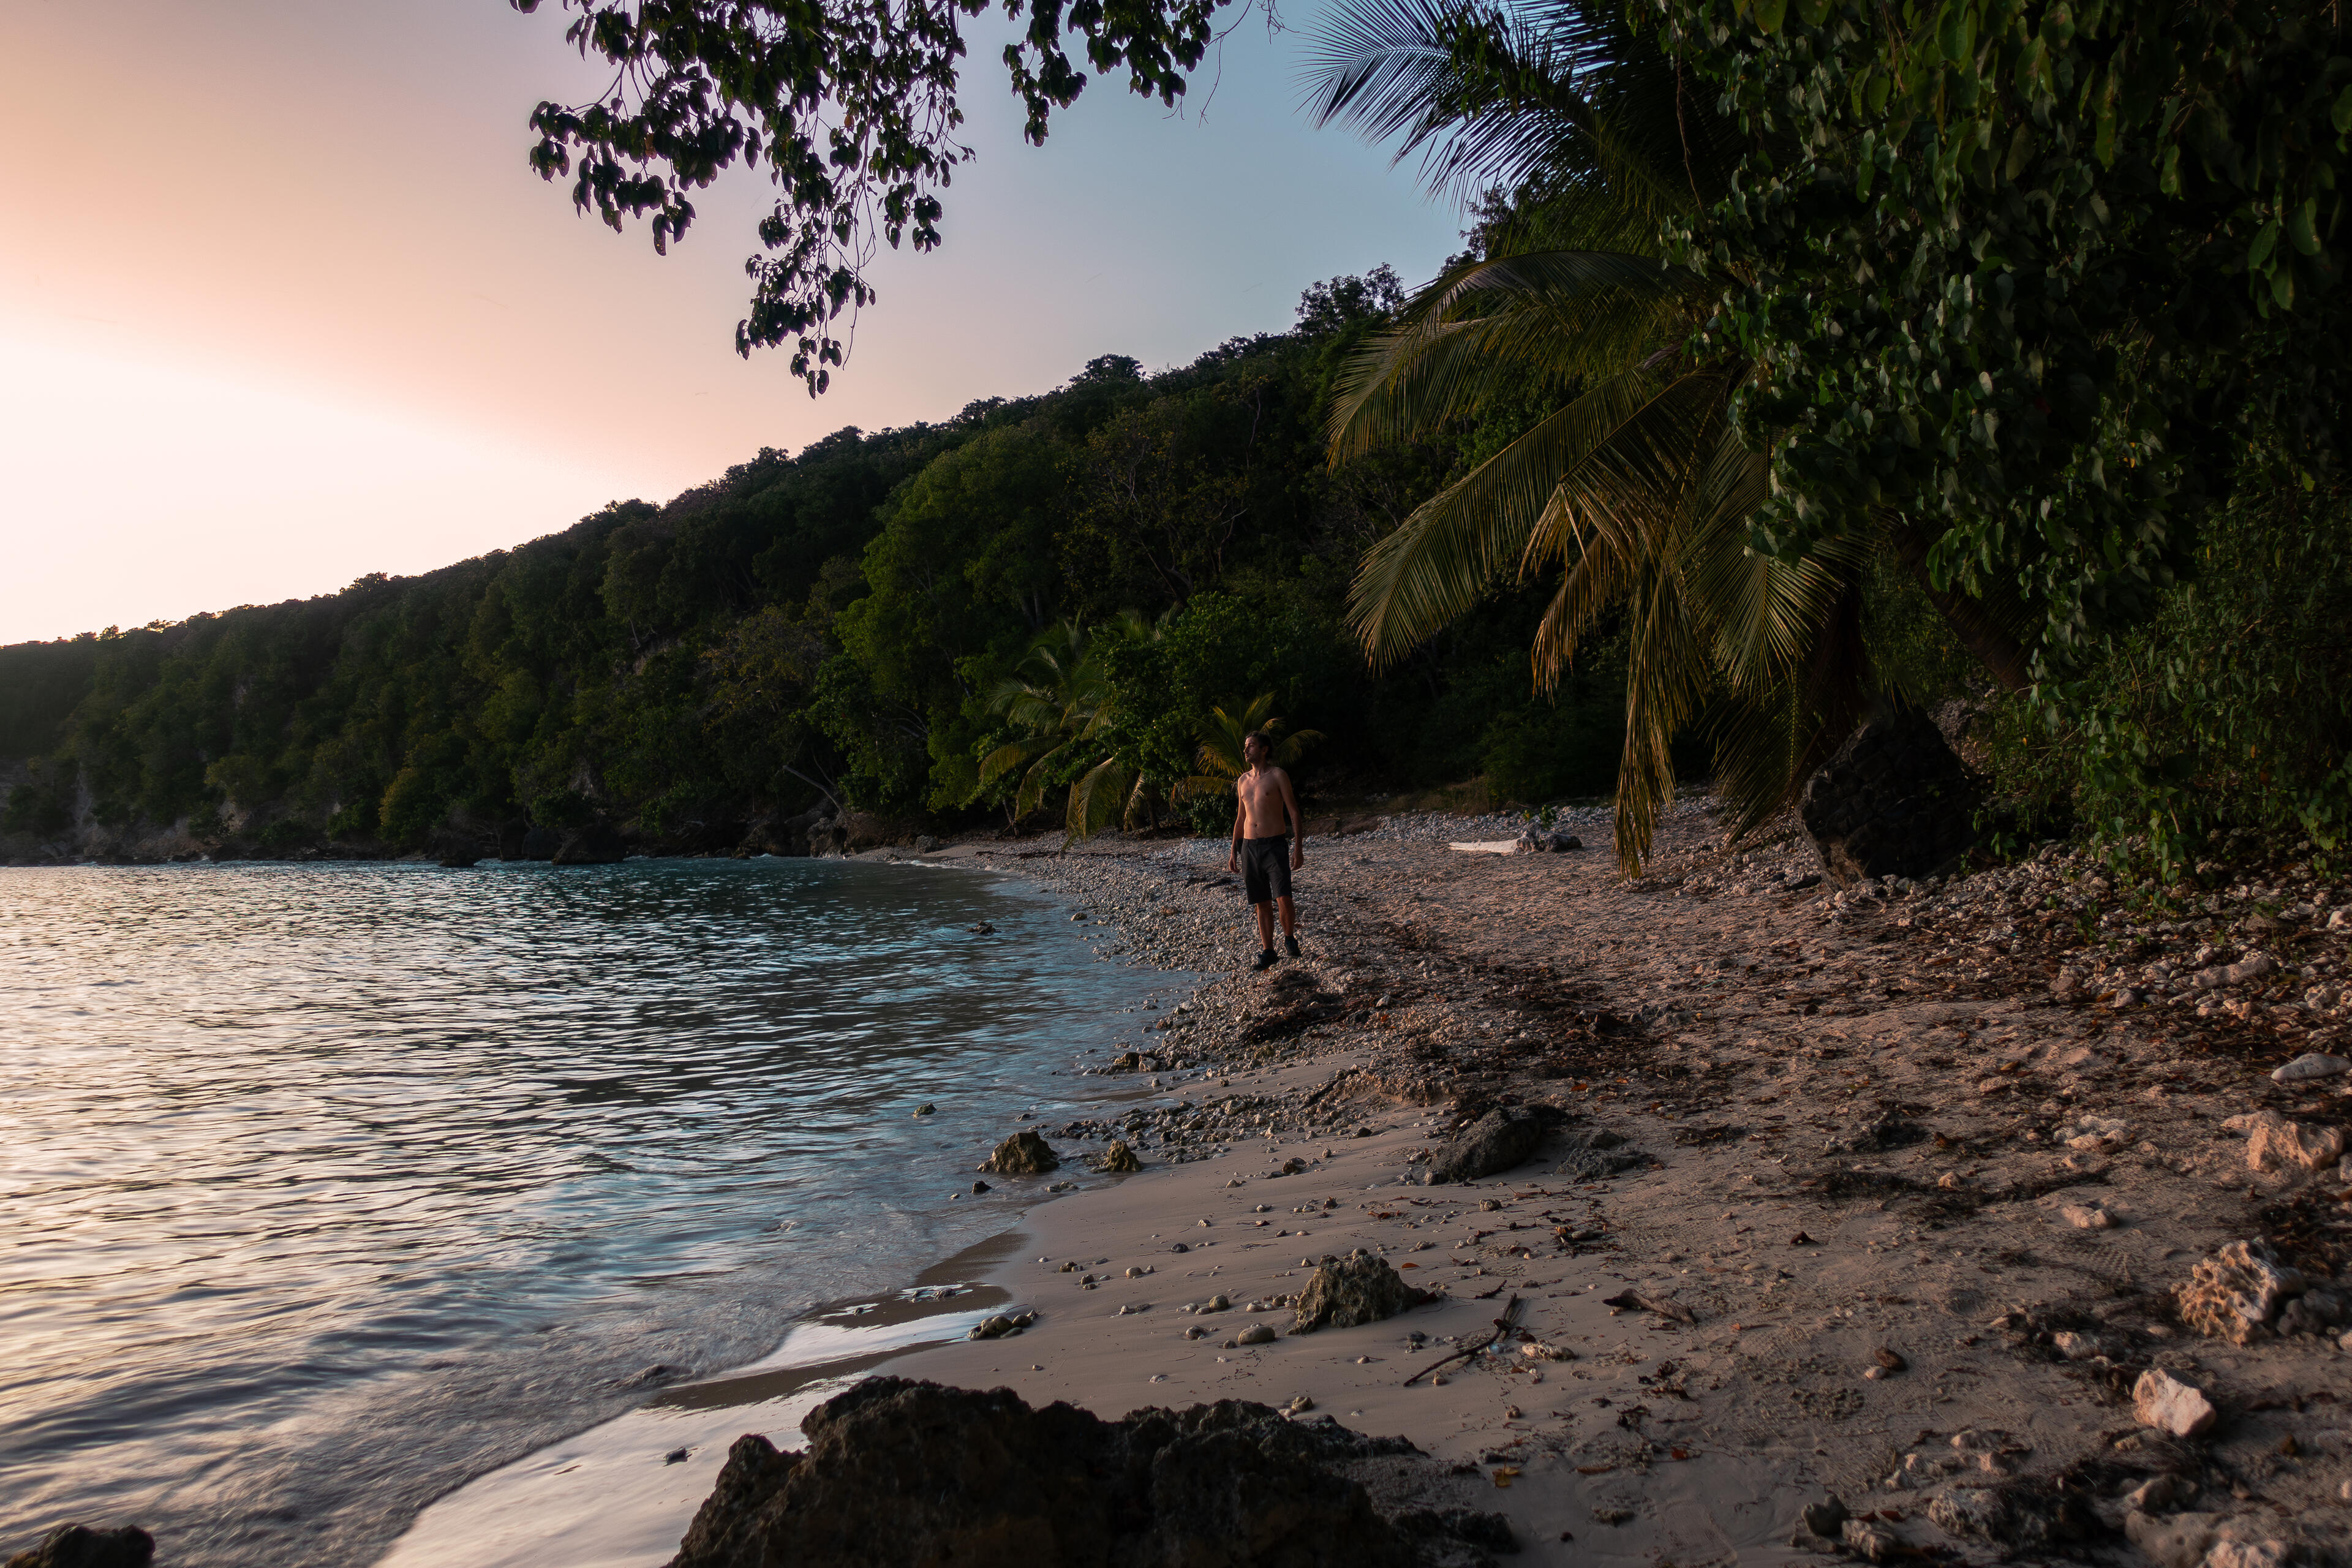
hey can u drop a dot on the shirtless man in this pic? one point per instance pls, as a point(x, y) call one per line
point(1263, 827)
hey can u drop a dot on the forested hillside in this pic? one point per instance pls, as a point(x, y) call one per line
point(839, 624)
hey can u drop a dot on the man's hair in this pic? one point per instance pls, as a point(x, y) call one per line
point(1261, 737)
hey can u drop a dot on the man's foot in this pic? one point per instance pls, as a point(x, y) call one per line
point(1292, 943)
point(1266, 960)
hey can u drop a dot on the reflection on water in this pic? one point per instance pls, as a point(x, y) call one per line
point(327, 1187)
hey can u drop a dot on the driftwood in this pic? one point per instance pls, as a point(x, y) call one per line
point(1664, 1305)
point(1504, 1325)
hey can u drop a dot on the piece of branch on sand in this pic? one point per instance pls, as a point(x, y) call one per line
point(1504, 1325)
point(1664, 1305)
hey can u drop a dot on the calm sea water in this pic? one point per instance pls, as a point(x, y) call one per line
point(323, 1188)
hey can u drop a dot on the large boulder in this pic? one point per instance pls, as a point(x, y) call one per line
point(1504, 1137)
point(79, 1546)
point(904, 1472)
point(1894, 801)
point(1022, 1154)
point(1358, 1289)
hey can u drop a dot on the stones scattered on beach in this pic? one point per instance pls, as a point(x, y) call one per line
point(2311, 1068)
point(1501, 1140)
point(2179, 1409)
point(1022, 1154)
point(1351, 1290)
point(1256, 1334)
point(1000, 1325)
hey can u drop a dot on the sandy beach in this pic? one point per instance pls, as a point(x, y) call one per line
point(1886, 1199)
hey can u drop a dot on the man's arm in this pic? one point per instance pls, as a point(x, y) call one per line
point(1241, 817)
point(1298, 823)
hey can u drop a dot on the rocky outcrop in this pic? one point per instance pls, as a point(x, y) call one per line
point(1358, 1289)
point(904, 1472)
point(1504, 1137)
point(1022, 1154)
point(1894, 801)
point(594, 845)
point(1121, 1158)
point(79, 1546)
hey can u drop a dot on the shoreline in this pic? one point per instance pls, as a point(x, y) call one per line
point(1833, 1127)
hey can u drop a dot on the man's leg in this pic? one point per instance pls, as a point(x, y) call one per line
point(1289, 920)
point(1266, 924)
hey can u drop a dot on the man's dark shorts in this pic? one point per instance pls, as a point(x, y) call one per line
point(1266, 869)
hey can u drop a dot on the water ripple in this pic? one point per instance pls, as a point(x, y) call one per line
point(327, 1187)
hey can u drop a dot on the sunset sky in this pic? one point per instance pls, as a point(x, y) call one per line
point(280, 303)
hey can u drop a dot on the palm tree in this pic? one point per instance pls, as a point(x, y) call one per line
point(1637, 489)
point(1062, 694)
point(1219, 758)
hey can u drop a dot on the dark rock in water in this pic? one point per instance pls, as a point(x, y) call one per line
point(595, 845)
point(903, 1472)
point(540, 844)
point(1358, 1289)
point(79, 1546)
point(1504, 1137)
point(459, 862)
point(1119, 1158)
point(786, 835)
point(1022, 1154)
point(1894, 801)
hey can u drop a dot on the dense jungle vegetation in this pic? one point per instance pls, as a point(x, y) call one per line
point(843, 624)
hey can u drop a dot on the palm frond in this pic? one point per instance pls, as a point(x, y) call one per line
point(1095, 798)
point(1457, 545)
point(1488, 328)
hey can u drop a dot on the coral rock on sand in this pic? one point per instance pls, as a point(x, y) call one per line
point(2234, 1293)
point(1119, 1157)
point(79, 1546)
point(1357, 1289)
point(898, 1471)
point(2162, 1401)
point(1022, 1154)
point(1504, 1137)
point(2273, 1142)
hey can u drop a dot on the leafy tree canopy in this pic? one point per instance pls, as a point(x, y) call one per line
point(852, 103)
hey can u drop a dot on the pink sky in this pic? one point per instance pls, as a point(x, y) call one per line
point(280, 304)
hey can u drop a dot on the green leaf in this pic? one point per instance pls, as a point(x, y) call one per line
point(2302, 227)
point(1875, 93)
point(2021, 150)
point(2103, 145)
point(1770, 13)
point(2168, 181)
point(1812, 13)
point(2342, 113)
point(1956, 30)
point(2258, 255)
point(2283, 288)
